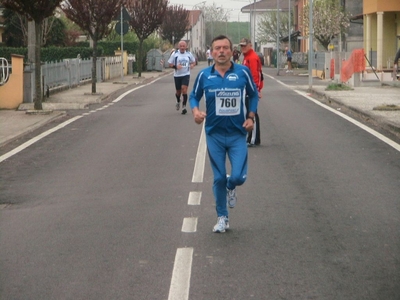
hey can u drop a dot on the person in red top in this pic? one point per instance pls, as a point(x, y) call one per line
point(252, 61)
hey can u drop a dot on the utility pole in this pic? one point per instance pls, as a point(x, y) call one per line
point(290, 47)
point(310, 45)
point(277, 36)
point(254, 25)
point(122, 45)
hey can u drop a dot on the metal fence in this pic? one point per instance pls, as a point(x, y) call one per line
point(73, 72)
point(300, 58)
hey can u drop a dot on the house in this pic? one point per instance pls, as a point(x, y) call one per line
point(256, 10)
point(350, 40)
point(354, 36)
point(381, 32)
point(196, 34)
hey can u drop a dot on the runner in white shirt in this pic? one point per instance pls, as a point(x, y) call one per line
point(182, 61)
point(209, 56)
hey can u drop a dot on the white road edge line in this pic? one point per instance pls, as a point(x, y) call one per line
point(194, 198)
point(198, 172)
point(134, 89)
point(37, 138)
point(180, 282)
point(46, 133)
point(355, 122)
point(189, 224)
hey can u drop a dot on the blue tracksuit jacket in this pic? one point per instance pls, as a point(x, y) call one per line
point(225, 98)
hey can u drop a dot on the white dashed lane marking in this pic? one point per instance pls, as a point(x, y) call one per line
point(180, 282)
point(189, 224)
point(194, 198)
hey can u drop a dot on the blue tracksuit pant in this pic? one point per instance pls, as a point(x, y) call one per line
point(219, 146)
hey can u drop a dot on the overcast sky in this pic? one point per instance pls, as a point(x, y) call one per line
point(234, 5)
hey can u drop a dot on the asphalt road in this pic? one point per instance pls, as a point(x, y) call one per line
point(96, 209)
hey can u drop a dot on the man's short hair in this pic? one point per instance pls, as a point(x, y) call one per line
point(221, 37)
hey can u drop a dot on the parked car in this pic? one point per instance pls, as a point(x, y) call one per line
point(261, 56)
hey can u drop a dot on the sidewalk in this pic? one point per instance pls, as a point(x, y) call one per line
point(362, 100)
point(15, 123)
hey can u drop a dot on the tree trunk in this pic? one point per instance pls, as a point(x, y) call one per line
point(31, 41)
point(94, 64)
point(38, 68)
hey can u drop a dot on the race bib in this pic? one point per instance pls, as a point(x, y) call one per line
point(184, 63)
point(227, 103)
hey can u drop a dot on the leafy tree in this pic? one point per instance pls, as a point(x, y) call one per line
point(52, 29)
point(146, 17)
point(37, 11)
point(267, 25)
point(72, 32)
point(94, 17)
point(175, 24)
point(15, 29)
point(329, 21)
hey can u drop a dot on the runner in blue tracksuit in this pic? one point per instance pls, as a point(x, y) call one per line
point(225, 85)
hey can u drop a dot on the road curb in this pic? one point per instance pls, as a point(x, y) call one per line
point(50, 117)
point(368, 118)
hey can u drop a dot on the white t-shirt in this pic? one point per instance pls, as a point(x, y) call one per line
point(183, 59)
point(208, 54)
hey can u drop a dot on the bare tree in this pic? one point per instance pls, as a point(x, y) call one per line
point(175, 24)
point(93, 17)
point(36, 10)
point(146, 17)
point(266, 32)
point(329, 21)
point(17, 28)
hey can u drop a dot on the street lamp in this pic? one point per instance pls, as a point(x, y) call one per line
point(212, 22)
point(226, 20)
point(239, 25)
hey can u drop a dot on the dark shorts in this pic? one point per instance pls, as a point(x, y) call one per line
point(289, 59)
point(182, 80)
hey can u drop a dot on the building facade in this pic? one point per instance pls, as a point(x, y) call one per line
point(256, 10)
point(196, 34)
point(381, 32)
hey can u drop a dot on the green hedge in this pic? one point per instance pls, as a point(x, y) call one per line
point(49, 54)
point(52, 54)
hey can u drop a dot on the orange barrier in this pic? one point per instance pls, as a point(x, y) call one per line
point(332, 74)
point(355, 64)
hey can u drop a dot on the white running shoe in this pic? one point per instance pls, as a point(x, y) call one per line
point(178, 105)
point(222, 224)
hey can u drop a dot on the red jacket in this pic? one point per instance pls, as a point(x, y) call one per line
point(252, 61)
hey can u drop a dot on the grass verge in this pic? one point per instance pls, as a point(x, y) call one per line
point(338, 87)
